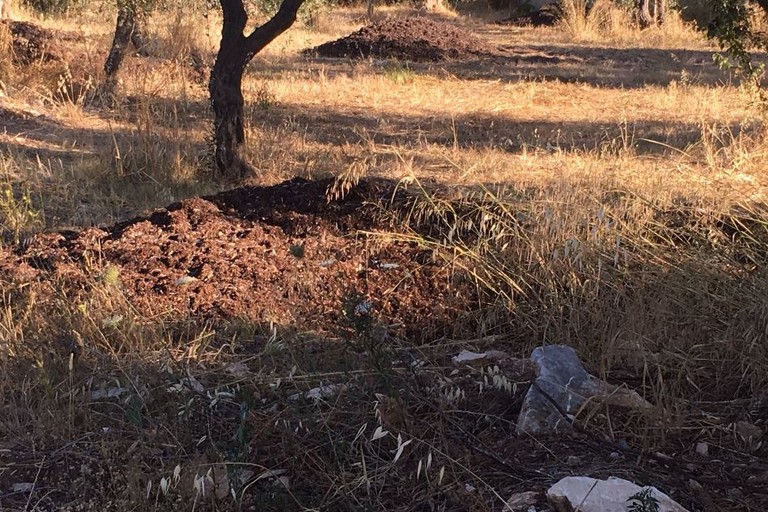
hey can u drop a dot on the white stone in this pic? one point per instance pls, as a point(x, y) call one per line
point(611, 495)
point(238, 369)
point(562, 379)
point(323, 391)
point(185, 280)
point(467, 356)
point(22, 486)
point(320, 392)
point(114, 392)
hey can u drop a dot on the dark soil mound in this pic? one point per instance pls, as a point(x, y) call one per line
point(32, 43)
point(413, 39)
point(547, 16)
point(281, 253)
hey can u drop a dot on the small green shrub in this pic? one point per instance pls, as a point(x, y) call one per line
point(18, 213)
point(643, 501)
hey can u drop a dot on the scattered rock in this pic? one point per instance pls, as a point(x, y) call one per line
point(320, 392)
point(522, 501)
point(23, 487)
point(238, 369)
point(185, 280)
point(562, 380)
point(222, 477)
point(702, 449)
point(187, 384)
point(114, 392)
point(611, 495)
point(469, 357)
point(414, 39)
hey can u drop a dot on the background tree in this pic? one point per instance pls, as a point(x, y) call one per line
point(130, 14)
point(651, 12)
point(733, 26)
point(235, 52)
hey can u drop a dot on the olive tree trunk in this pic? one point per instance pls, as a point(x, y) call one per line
point(651, 12)
point(235, 52)
point(127, 30)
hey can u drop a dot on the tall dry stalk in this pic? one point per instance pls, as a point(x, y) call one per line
point(584, 20)
point(6, 55)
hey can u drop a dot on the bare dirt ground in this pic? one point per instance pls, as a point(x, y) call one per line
point(288, 347)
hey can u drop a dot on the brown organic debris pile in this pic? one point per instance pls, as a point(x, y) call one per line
point(281, 252)
point(412, 39)
point(547, 16)
point(32, 43)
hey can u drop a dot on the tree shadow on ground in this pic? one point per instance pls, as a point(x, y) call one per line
point(339, 126)
point(624, 68)
point(102, 172)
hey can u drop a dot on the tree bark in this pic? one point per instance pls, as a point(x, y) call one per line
point(137, 35)
point(225, 87)
point(651, 12)
point(127, 30)
point(228, 105)
point(120, 42)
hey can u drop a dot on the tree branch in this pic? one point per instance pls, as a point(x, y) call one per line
point(279, 23)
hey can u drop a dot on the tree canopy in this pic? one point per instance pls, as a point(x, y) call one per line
point(733, 27)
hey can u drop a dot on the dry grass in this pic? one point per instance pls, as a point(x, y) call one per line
point(618, 211)
point(6, 56)
point(605, 21)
